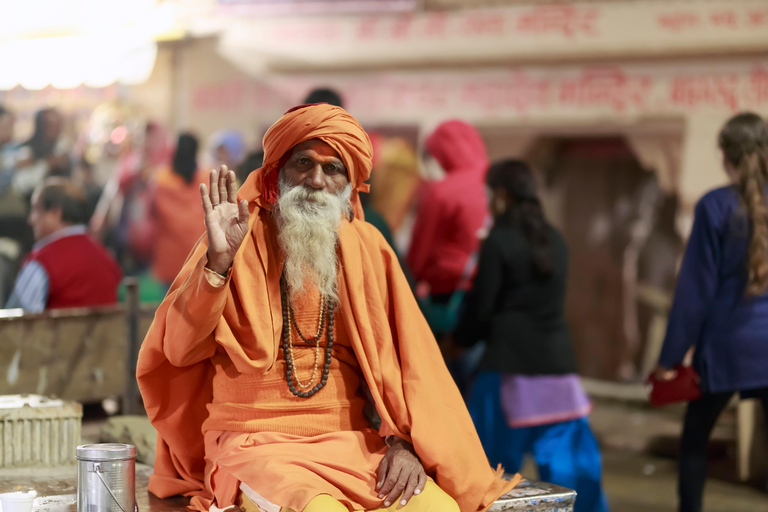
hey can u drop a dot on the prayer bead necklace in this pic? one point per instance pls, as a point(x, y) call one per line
point(326, 317)
point(317, 356)
point(320, 327)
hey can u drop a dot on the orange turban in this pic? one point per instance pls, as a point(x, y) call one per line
point(332, 125)
point(414, 394)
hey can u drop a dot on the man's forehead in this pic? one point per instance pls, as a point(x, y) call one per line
point(316, 146)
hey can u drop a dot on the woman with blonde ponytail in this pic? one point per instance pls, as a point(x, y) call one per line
point(721, 302)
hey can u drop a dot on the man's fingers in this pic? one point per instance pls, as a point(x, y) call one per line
point(223, 195)
point(397, 488)
point(393, 473)
point(410, 488)
point(381, 474)
point(213, 180)
point(232, 186)
point(422, 482)
point(207, 208)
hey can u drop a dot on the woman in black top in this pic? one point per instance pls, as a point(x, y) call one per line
point(528, 397)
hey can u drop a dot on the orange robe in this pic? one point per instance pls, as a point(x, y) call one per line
point(397, 355)
point(328, 431)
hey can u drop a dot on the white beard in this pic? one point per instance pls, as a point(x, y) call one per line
point(308, 231)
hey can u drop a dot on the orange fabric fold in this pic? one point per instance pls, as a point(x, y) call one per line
point(399, 359)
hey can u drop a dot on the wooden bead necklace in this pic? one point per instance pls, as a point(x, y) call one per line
point(326, 319)
point(320, 327)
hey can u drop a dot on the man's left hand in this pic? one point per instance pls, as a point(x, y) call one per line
point(400, 473)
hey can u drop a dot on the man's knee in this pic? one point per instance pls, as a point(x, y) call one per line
point(432, 499)
point(324, 503)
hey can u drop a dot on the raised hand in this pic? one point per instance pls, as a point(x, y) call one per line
point(226, 221)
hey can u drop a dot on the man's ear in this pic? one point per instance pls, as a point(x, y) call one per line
point(58, 213)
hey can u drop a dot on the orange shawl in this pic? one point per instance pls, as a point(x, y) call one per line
point(399, 358)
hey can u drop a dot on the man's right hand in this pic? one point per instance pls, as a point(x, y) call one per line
point(226, 221)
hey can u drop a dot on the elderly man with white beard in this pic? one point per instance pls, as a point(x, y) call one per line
point(314, 196)
point(290, 317)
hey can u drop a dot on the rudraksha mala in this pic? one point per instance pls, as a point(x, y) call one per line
point(326, 323)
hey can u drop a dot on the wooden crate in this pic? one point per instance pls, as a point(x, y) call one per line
point(38, 432)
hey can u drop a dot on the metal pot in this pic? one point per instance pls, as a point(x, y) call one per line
point(106, 478)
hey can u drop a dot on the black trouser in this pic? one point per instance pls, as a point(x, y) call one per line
point(700, 418)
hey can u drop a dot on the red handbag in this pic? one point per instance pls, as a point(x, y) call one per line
point(685, 387)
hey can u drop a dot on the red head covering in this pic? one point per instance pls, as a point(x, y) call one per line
point(458, 147)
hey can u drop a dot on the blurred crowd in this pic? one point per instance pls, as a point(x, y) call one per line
point(488, 269)
point(135, 192)
point(132, 186)
point(71, 229)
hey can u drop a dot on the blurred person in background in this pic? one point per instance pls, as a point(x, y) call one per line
point(67, 267)
point(451, 213)
point(45, 154)
point(721, 300)
point(15, 233)
point(11, 203)
point(136, 169)
point(397, 180)
point(85, 177)
point(9, 257)
point(324, 95)
point(140, 161)
point(527, 397)
point(227, 148)
point(7, 149)
point(176, 214)
point(9, 248)
point(253, 161)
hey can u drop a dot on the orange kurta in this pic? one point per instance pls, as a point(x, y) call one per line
point(272, 407)
point(397, 355)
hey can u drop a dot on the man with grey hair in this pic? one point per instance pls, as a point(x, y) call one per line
point(67, 267)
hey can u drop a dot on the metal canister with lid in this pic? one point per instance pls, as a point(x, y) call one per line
point(106, 478)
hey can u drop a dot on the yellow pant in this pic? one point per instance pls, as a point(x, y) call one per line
point(431, 499)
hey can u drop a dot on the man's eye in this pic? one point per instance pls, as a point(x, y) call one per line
point(303, 161)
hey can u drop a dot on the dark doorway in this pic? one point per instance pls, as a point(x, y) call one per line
point(608, 211)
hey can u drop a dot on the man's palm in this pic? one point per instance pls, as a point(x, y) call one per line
point(225, 231)
point(226, 221)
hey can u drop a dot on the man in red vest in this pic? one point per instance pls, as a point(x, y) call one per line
point(67, 268)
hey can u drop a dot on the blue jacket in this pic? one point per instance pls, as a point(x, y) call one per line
point(711, 310)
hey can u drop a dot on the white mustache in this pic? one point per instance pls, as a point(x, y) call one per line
point(312, 196)
point(308, 221)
